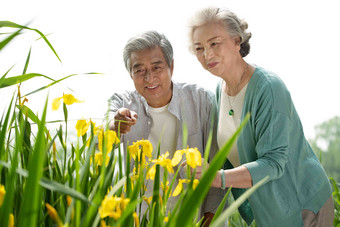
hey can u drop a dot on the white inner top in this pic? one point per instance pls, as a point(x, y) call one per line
point(227, 124)
point(163, 130)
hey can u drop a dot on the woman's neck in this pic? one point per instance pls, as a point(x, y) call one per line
point(237, 79)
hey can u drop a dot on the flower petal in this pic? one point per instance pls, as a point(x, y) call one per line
point(193, 157)
point(177, 157)
point(69, 99)
point(56, 103)
point(178, 189)
point(82, 126)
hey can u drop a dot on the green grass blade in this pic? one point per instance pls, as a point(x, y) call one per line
point(4, 42)
point(336, 193)
point(6, 207)
point(29, 211)
point(221, 206)
point(4, 76)
point(29, 113)
point(14, 25)
point(54, 82)
point(6, 82)
point(4, 126)
point(224, 216)
point(27, 61)
point(53, 185)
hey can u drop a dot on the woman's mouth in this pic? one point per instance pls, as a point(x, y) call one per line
point(212, 65)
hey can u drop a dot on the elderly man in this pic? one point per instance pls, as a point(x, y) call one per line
point(158, 107)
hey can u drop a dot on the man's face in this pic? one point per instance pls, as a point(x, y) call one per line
point(152, 76)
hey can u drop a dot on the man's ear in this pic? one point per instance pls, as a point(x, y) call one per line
point(172, 67)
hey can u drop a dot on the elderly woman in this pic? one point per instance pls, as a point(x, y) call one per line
point(272, 143)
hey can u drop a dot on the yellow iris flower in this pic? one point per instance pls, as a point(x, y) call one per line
point(68, 99)
point(166, 187)
point(54, 215)
point(82, 126)
point(136, 219)
point(177, 157)
point(163, 161)
point(113, 207)
point(136, 149)
point(110, 139)
point(146, 147)
point(146, 199)
point(151, 173)
point(103, 223)
point(2, 193)
point(11, 220)
point(98, 159)
point(193, 157)
point(179, 186)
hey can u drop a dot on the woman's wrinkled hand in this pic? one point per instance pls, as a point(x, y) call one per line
point(199, 169)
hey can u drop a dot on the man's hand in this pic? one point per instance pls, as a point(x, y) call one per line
point(128, 116)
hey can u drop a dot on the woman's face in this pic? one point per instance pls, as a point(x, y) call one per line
point(215, 49)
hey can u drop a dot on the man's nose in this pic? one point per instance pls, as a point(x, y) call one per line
point(149, 76)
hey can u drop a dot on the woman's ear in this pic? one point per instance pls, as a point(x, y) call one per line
point(237, 40)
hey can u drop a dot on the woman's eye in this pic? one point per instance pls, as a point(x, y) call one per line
point(198, 49)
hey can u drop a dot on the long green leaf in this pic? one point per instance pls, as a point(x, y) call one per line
point(29, 211)
point(54, 82)
point(233, 207)
point(4, 76)
point(6, 207)
point(4, 125)
point(221, 206)
point(6, 82)
point(191, 204)
point(14, 25)
point(27, 111)
point(4, 42)
point(27, 61)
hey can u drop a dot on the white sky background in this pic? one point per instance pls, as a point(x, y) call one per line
point(297, 39)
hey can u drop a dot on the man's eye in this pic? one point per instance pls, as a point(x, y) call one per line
point(139, 72)
point(198, 49)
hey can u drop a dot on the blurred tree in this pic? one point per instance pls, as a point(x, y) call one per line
point(326, 145)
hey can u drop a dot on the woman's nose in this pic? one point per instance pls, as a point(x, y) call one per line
point(208, 53)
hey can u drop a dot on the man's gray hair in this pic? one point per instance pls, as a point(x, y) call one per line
point(144, 41)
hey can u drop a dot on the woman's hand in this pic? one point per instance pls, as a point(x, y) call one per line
point(199, 172)
point(198, 168)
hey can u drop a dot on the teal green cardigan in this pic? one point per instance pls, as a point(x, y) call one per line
point(273, 144)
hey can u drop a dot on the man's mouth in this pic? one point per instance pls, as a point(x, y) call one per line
point(152, 87)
